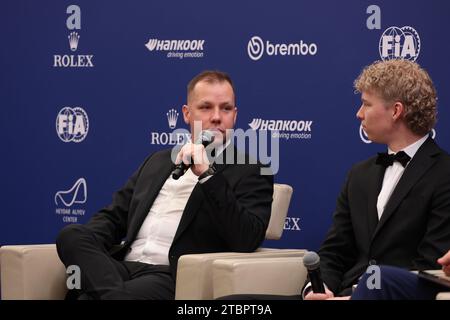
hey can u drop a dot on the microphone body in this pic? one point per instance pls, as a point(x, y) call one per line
point(311, 261)
point(179, 170)
point(206, 138)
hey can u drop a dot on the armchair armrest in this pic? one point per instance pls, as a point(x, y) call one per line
point(195, 275)
point(32, 272)
point(443, 296)
point(274, 275)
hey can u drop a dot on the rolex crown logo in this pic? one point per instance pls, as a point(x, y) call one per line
point(172, 117)
point(73, 40)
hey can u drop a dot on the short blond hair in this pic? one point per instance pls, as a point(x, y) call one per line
point(406, 82)
point(209, 76)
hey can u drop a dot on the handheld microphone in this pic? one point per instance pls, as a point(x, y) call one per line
point(311, 261)
point(205, 138)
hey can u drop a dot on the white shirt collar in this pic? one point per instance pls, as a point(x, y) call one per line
point(412, 148)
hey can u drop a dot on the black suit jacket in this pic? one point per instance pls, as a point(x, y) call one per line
point(414, 229)
point(228, 212)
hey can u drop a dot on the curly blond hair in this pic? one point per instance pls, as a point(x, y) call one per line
point(406, 82)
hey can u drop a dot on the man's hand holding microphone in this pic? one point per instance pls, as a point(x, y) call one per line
point(317, 289)
point(194, 156)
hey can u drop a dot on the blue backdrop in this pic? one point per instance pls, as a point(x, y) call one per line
point(86, 88)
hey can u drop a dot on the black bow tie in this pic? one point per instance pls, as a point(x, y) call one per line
point(387, 160)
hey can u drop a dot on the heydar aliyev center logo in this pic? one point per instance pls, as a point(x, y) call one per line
point(76, 194)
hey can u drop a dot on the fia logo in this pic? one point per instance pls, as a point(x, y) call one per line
point(72, 124)
point(399, 43)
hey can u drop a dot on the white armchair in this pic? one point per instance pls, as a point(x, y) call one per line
point(212, 275)
point(35, 271)
point(32, 272)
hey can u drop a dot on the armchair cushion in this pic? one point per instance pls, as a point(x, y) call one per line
point(277, 276)
point(443, 296)
point(195, 271)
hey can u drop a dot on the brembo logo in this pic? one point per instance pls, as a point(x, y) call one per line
point(257, 47)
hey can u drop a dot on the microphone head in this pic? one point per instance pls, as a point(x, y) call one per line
point(311, 260)
point(206, 137)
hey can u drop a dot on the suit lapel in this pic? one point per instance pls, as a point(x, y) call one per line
point(197, 196)
point(420, 163)
point(229, 155)
point(158, 175)
point(192, 206)
point(375, 182)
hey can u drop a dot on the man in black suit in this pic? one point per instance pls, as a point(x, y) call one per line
point(394, 208)
point(130, 249)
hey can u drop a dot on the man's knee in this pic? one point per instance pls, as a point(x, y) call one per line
point(383, 277)
point(69, 235)
point(390, 273)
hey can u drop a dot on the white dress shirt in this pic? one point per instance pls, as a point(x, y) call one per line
point(158, 230)
point(156, 234)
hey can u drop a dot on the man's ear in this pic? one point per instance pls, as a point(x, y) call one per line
point(186, 114)
point(399, 110)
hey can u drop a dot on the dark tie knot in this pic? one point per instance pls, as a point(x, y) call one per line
point(387, 160)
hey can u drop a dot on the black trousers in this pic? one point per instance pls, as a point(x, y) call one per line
point(103, 277)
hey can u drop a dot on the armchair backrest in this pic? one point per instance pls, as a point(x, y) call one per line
point(281, 198)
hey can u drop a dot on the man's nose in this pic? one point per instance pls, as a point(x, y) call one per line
point(360, 114)
point(216, 115)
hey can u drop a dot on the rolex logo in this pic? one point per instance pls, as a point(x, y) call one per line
point(172, 117)
point(73, 24)
point(73, 40)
